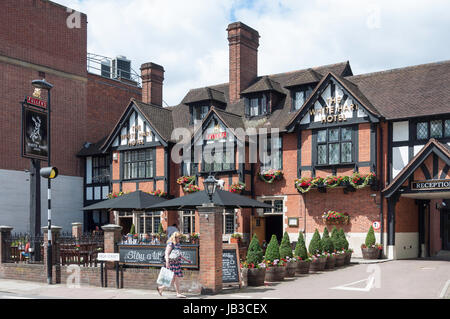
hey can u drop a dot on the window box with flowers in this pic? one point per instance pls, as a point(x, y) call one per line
point(159, 193)
point(271, 175)
point(332, 217)
point(185, 180)
point(194, 238)
point(237, 187)
point(349, 183)
point(115, 195)
point(235, 238)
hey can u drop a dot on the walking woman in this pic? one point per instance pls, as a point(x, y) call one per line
point(173, 258)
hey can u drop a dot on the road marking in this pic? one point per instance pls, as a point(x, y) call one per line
point(370, 281)
point(442, 295)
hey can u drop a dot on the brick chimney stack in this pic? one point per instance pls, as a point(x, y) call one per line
point(152, 83)
point(243, 47)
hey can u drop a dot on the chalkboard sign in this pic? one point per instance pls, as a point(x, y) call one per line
point(230, 264)
point(151, 255)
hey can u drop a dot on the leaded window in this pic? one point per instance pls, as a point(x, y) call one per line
point(447, 128)
point(436, 129)
point(433, 129)
point(422, 130)
point(277, 205)
point(100, 169)
point(228, 224)
point(273, 155)
point(257, 105)
point(188, 218)
point(149, 222)
point(138, 164)
point(335, 146)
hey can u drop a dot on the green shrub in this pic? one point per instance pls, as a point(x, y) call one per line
point(255, 253)
point(133, 230)
point(160, 229)
point(335, 238)
point(343, 240)
point(285, 247)
point(273, 249)
point(370, 238)
point(300, 247)
point(327, 243)
point(315, 246)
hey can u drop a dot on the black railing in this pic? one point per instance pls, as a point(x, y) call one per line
point(23, 247)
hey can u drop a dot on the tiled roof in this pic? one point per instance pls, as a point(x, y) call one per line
point(159, 117)
point(264, 84)
point(204, 94)
point(408, 92)
point(90, 149)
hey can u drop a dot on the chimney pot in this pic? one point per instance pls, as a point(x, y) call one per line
point(152, 83)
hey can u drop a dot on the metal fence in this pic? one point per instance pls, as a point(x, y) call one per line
point(23, 246)
point(82, 251)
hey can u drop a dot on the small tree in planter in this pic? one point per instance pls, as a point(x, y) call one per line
point(338, 247)
point(316, 250)
point(328, 247)
point(286, 253)
point(343, 242)
point(254, 263)
point(301, 254)
point(370, 249)
point(276, 269)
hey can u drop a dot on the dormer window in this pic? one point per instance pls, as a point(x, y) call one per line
point(257, 105)
point(299, 97)
point(199, 113)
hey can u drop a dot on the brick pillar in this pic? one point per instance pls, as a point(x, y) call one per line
point(56, 230)
point(5, 245)
point(112, 236)
point(77, 230)
point(211, 223)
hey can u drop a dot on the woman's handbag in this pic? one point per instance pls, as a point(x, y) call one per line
point(174, 254)
point(165, 277)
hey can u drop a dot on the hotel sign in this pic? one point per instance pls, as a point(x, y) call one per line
point(431, 185)
point(333, 113)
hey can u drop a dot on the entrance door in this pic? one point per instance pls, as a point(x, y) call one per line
point(274, 226)
point(446, 228)
point(126, 223)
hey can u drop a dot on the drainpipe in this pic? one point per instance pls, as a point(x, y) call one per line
point(381, 187)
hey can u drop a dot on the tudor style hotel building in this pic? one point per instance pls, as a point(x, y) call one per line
point(394, 124)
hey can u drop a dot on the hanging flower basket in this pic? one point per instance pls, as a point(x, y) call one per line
point(115, 195)
point(270, 175)
point(360, 181)
point(237, 187)
point(332, 217)
point(191, 188)
point(185, 180)
point(159, 193)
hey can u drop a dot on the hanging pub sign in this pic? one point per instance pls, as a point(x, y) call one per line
point(36, 99)
point(431, 185)
point(34, 133)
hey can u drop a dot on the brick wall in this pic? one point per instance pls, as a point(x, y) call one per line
point(106, 100)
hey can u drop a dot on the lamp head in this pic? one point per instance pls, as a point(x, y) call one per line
point(210, 186)
point(41, 84)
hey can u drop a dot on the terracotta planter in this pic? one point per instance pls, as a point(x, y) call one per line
point(340, 260)
point(347, 258)
point(291, 268)
point(330, 263)
point(256, 276)
point(235, 241)
point(275, 273)
point(371, 253)
point(317, 264)
point(302, 267)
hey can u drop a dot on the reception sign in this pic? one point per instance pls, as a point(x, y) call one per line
point(430, 185)
point(34, 133)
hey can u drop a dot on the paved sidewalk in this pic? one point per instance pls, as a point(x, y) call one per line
point(405, 279)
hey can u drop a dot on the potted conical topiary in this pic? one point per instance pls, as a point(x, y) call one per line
point(370, 250)
point(256, 270)
point(286, 254)
point(315, 249)
point(328, 248)
point(344, 243)
point(276, 268)
point(338, 247)
point(300, 252)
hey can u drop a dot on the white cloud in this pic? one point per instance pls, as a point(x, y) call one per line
point(189, 39)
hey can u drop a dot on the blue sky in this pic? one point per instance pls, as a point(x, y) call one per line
point(189, 39)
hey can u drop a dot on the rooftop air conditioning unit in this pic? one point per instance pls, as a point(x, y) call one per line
point(121, 68)
point(106, 69)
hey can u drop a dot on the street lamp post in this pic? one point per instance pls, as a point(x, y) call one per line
point(42, 84)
